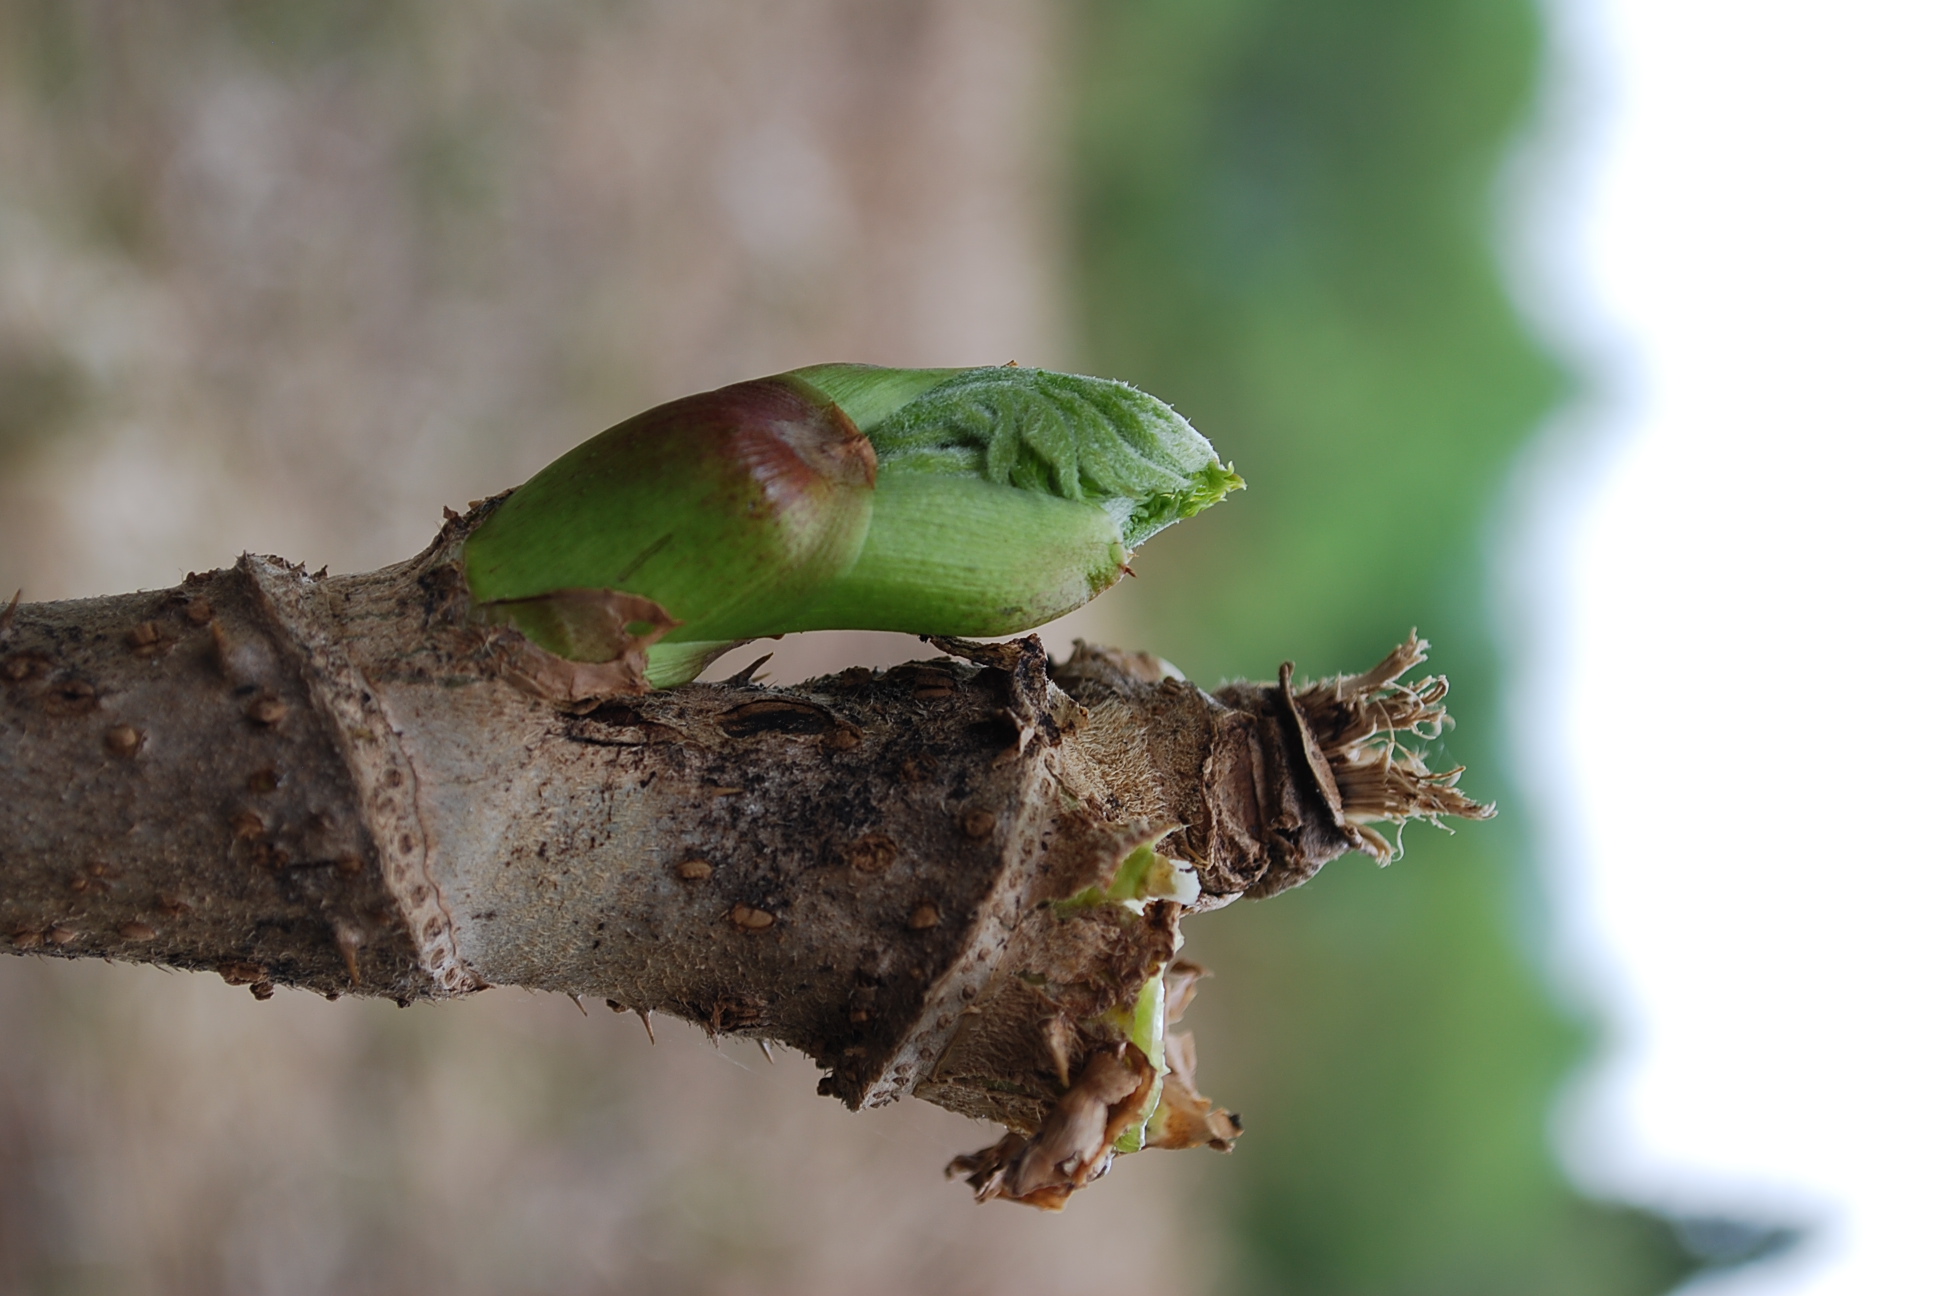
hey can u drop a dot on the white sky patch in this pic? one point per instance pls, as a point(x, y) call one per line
point(1727, 574)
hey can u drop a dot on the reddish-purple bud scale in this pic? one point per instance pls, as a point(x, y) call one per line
point(719, 507)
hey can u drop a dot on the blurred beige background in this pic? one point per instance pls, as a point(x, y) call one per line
point(291, 278)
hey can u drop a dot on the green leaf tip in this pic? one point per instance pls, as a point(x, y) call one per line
point(1091, 440)
point(933, 501)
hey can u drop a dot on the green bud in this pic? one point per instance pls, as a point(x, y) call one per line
point(931, 501)
point(726, 509)
point(1006, 497)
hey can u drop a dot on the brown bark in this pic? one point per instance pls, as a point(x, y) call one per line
point(331, 783)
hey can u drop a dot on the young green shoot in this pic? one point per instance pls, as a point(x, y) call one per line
point(971, 502)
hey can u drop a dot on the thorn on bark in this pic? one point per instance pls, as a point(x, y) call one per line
point(748, 919)
point(348, 941)
point(148, 639)
point(874, 853)
point(744, 676)
point(241, 973)
point(124, 740)
point(268, 710)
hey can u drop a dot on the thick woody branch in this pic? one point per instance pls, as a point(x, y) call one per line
point(333, 784)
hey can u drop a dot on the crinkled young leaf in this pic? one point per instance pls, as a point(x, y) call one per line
point(1090, 440)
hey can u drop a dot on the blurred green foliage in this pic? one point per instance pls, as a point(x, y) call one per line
point(1287, 221)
